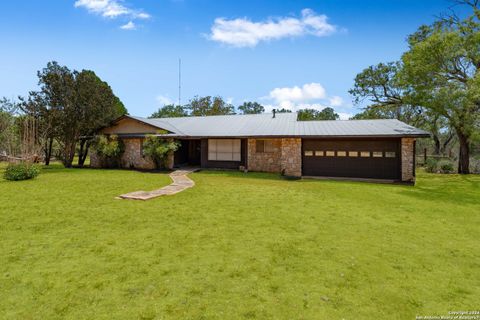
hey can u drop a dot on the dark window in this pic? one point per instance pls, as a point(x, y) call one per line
point(264, 146)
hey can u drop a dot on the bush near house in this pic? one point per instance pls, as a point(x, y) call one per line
point(109, 149)
point(158, 149)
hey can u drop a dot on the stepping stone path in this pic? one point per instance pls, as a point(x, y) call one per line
point(180, 183)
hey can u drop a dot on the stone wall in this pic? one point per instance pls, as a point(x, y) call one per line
point(132, 156)
point(408, 159)
point(95, 161)
point(286, 157)
point(265, 161)
point(291, 159)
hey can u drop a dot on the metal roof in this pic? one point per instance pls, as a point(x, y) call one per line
point(284, 124)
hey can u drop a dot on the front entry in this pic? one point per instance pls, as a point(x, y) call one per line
point(372, 159)
point(188, 154)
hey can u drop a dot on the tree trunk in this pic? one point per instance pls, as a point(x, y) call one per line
point(464, 154)
point(83, 152)
point(68, 154)
point(436, 140)
point(80, 152)
point(48, 151)
point(446, 142)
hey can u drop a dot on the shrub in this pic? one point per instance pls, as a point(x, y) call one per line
point(158, 149)
point(446, 166)
point(109, 149)
point(431, 165)
point(21, 171)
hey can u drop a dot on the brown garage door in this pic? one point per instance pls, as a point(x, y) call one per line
point(375, 159)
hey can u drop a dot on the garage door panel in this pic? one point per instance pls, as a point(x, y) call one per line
point(344, 163)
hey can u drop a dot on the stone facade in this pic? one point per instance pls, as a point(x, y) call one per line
point(132, 157)
point(408, 159)
point(265, 161)
point(95, 161)
point(291, 159)
point(285, 158)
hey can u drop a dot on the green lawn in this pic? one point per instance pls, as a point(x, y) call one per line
point(237, 246)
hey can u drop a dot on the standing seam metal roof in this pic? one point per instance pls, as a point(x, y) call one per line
point(284, 124)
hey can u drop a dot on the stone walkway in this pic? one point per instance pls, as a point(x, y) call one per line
point(180, 183)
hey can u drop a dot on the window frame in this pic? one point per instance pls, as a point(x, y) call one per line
point(236, 156)
point(267, 146)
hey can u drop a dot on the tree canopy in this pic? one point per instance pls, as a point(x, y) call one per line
point(312, 114)
point(208, 106)
point(71, 104)
point(251, 108)
point(435, 85)
point(170, 111)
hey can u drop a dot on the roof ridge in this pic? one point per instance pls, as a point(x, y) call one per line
point(227, 115)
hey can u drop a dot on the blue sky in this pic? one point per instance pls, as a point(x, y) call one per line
point(290, 53)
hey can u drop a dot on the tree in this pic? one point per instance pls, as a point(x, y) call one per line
point(442, 69)
point(76, 104)
point(312, 114)
point(283, 110)
point(57, 86)
point(327, 114)
point(9, 142)
point(170, 111)
point(97, 105)
point(36, 106)
point(206, 106)
point(391, 99)
point(251, 108)
point(381, 86)
point(371, 113)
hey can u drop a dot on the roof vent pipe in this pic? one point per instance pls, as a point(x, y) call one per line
point(273, 113)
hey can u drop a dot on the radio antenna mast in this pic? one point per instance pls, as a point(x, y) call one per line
point(179, 81)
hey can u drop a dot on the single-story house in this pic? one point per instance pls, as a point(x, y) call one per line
point(372, 149)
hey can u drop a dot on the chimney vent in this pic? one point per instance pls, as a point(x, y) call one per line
point(274, 113)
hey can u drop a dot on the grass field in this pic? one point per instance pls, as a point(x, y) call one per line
point(237, 246)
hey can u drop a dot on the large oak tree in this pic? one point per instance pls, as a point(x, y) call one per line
point(442, 69)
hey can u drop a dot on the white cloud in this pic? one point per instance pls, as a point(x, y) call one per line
point(243, 32)
point(129, 26)
point(112, 9)
point(164, 100)
point(336, 101)
point(289, 97)
point(142, 15)
point(308, 96)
